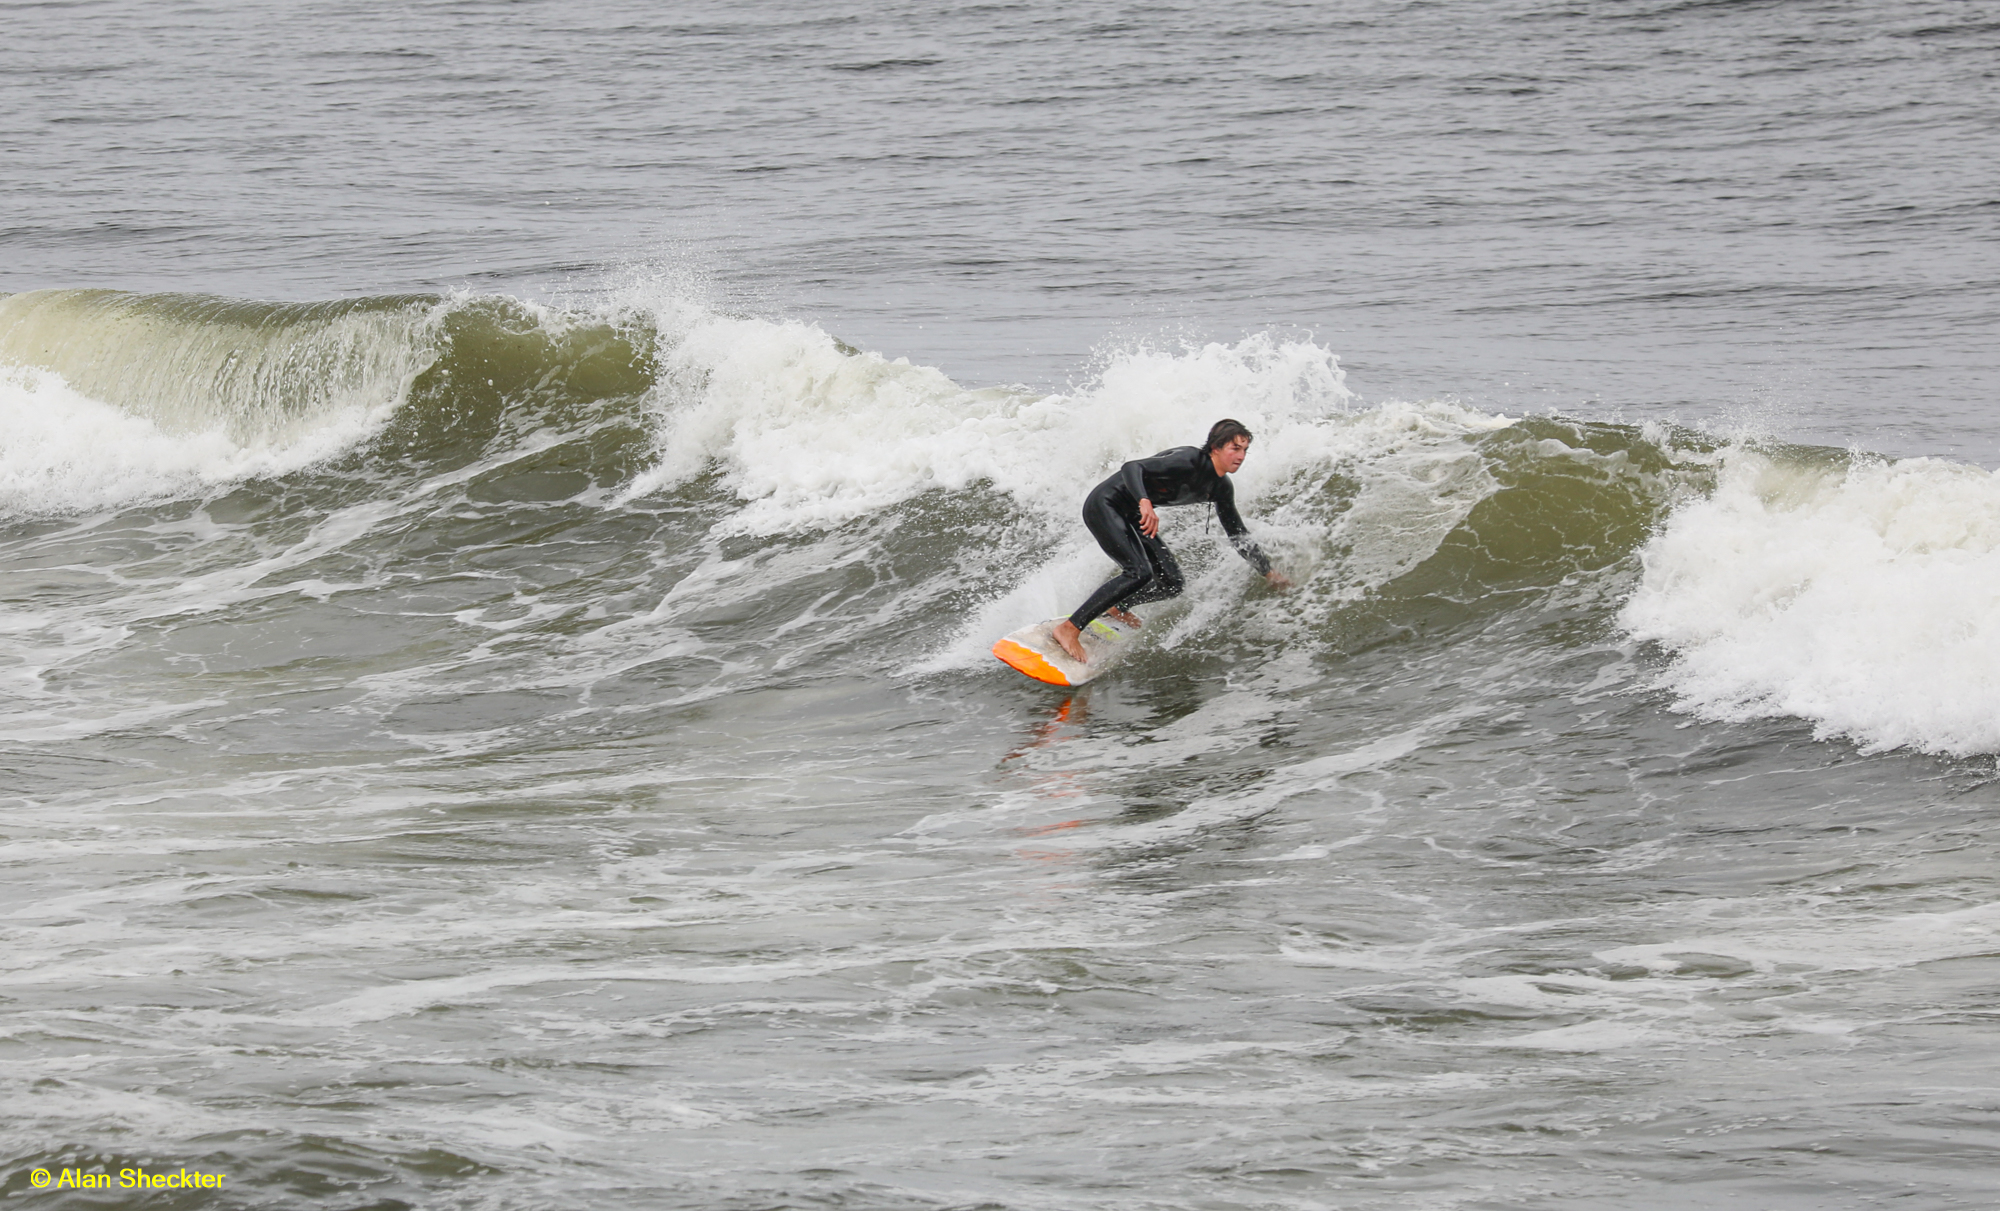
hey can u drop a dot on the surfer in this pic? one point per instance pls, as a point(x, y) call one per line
point(1122, 518)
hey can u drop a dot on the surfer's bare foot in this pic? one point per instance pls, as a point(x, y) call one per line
point(1124, 617)
point(1068, 638)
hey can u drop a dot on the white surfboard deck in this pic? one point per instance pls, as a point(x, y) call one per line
point(1033, 651)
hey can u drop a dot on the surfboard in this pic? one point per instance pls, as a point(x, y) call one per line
point(1033, 650)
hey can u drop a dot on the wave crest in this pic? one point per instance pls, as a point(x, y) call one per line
point(1859, 597)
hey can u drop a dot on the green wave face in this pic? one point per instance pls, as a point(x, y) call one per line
point(214, 391)
point(502, 371)
point(192, 363)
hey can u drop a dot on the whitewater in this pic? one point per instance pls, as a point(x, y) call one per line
point(502, 524)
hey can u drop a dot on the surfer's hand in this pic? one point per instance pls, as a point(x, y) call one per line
point(1149, 521)
point(1278, 580)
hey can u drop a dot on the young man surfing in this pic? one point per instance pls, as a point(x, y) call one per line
point(1121, 513)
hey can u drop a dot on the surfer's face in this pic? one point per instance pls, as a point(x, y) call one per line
point(1229, 455)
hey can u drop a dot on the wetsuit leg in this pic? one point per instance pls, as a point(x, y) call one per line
point(1167, 579)
point(1147, 570)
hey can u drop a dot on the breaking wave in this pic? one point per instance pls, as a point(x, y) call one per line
point(796, 486)
point(1859, 595)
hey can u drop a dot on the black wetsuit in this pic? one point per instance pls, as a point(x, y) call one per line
point(1184, 475)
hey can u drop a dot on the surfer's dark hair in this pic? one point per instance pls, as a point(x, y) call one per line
point(1225, 431)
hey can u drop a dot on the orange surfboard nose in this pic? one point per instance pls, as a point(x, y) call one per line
point(1029, 661)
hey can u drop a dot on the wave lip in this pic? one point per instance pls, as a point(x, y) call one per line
point(1860, 598)
point(108, 396)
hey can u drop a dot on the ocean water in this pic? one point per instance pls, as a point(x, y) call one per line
point(503, 508)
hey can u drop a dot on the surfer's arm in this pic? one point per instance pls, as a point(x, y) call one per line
point(1239, 534)
point(1132, 478)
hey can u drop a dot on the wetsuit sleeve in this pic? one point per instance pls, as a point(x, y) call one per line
point(1133, 476)
point(1239, 534)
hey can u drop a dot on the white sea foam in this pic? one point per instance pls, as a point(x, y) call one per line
point(61, 451)
point(1833, 944)
point(1861, 600)
point(809, 435)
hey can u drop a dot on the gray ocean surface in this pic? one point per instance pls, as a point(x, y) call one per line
point(504, 507)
